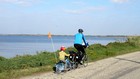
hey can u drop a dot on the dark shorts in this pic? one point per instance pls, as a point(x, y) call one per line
point(80, 48)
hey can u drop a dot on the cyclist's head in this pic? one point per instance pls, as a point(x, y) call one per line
point(62, 48)
point(80, 30)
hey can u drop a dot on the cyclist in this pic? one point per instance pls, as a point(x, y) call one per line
point(62, 55)
point(78, 40)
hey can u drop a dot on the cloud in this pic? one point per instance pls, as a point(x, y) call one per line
point(12, 1)
point(79, 3)
point(73, 11)
point(119, 1)
point(20, 2)
point(85, 10)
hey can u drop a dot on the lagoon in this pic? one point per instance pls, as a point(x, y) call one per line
point(12, 45)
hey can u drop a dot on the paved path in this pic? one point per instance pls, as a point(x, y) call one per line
point(119, 67)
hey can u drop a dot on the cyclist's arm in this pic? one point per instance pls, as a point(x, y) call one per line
point(83, 37)
point(67, 54)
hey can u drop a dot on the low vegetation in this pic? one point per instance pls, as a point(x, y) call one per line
point(44, 61)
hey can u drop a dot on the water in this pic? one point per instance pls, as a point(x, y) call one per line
point(12, 45)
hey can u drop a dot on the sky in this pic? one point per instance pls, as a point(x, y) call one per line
point(65, 17)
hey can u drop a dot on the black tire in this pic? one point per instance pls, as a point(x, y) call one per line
point(85, 61)
point(57, 71)
point(54, 69)
point(74, 65)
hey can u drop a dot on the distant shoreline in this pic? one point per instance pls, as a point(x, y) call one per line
point(65, 35)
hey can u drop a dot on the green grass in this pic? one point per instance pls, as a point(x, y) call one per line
point(24, 65)
point(44, 61)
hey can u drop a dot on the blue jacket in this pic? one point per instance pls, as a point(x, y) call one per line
point(79, 39)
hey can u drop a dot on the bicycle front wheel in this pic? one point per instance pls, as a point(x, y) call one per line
point(85, 61)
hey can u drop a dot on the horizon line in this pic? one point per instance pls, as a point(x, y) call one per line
point(60, 35)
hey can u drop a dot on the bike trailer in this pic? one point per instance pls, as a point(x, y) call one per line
point(59, 67)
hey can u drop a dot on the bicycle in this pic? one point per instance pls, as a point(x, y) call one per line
point(76, 58)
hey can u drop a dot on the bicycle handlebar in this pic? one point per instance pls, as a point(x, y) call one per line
point(87, 45)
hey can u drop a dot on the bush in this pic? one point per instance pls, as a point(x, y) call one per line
point(2, 58)
point(134, 40)
point(27, 61)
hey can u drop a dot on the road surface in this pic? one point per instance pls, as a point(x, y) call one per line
point(119, 67)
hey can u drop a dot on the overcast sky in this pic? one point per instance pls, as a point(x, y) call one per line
point(65, 17)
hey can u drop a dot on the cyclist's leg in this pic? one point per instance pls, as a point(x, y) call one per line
point(83, 52)
point(64, 63)
point(77, 46)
